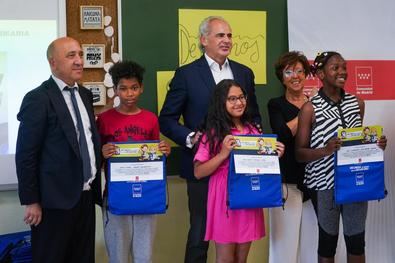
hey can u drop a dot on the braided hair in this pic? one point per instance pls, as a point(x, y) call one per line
point(321, 59)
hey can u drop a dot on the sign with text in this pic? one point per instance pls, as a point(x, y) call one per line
point(249, 37)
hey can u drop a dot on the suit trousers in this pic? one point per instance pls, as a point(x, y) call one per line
point(66, 235)
point(196, 247)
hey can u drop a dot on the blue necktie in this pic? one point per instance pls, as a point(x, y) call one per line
point(86, 161)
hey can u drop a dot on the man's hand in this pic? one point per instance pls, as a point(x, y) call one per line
point(196, 137)
point(165, 148)
point(33, 214)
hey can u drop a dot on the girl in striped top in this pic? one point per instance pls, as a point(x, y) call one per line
point(330, 109)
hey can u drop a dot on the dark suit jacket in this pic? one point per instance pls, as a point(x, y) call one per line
point(48, 162)
point(189, 96)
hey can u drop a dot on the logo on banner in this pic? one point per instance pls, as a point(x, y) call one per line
point(255, 184)
point(363, 80)
point(359, 179)
point(364, 76)
point(137, 190)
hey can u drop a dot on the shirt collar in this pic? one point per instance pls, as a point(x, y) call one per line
point(61, 84)
point(328, 100)
point(214, 65)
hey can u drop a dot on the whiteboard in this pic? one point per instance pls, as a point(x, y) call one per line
point(25, 34)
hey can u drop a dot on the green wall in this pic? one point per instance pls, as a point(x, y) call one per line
point(150, 37)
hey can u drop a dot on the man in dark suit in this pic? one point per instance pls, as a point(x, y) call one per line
point(58, 160)
point(189, 95)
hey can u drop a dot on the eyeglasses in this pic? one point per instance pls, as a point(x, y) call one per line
point(290, 73)
point(234, 99)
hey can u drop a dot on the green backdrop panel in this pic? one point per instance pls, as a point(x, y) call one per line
point(150, 37)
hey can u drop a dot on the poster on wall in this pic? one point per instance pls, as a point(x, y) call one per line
point(91, 17)
point(94, 55)
point(248, 37)
point(98, 91)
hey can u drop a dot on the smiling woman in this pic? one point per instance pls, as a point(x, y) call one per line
point(291, 70)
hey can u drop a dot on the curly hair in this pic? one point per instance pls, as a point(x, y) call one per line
point(291, 59)
point(126, 69)
point(218, 122)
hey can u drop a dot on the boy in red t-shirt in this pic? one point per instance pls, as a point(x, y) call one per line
point(128, 234)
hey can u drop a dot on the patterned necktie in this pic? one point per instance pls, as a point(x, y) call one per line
point(86, 162)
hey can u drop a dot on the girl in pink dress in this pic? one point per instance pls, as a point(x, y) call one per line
point(231, 230)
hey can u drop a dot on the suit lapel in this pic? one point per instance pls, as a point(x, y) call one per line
point(64, 116)
point(205, 73)
point(236, 72)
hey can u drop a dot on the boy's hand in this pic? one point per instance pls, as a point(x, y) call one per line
point(108, 150)
point(164, 147)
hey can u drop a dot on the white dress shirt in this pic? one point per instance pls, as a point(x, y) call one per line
point(219, 73)
point(85, 121)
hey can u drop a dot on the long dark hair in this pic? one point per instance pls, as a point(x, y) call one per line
point(218, 122)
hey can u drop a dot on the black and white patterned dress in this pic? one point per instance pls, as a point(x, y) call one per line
point(329, 117)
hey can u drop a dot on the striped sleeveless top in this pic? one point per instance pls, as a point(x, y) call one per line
point(329, 116)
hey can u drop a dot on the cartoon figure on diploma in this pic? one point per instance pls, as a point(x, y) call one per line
point(261, 146)
point(269, 148)
point(366, 135)
point(144, 152)
point(373, 136)
point(152, 155)
point(343, 135)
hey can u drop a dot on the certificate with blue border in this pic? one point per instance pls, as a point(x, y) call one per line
point(359, 165)
point(254, 179)
point(136, 179)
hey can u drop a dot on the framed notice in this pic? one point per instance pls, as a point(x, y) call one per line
point(94, 55)
point(91, 17)
point(98, 91)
